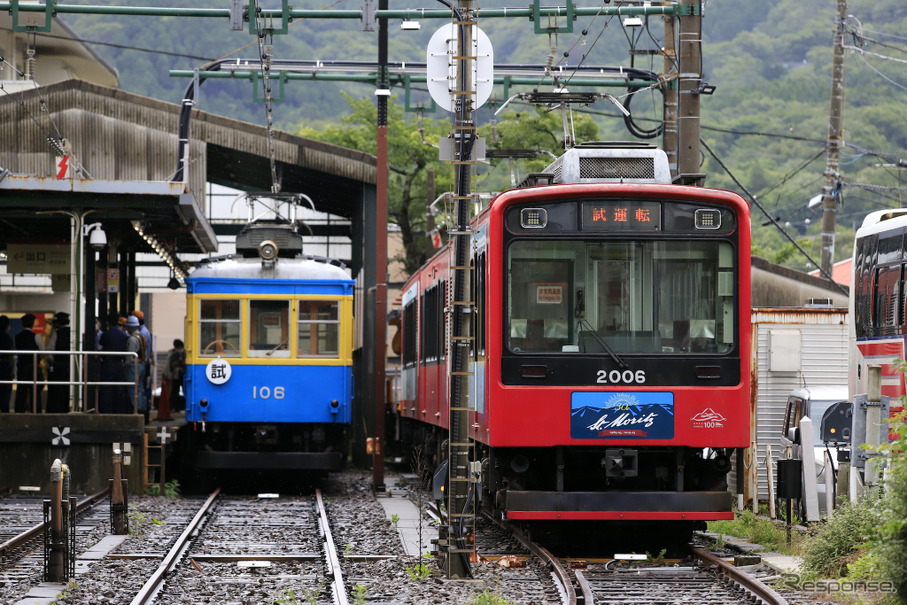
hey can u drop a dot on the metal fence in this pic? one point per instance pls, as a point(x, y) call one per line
point(82, 391)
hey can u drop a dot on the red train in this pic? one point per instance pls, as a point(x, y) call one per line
point(611, 338)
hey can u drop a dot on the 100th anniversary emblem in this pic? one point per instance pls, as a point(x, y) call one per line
point(621, 415)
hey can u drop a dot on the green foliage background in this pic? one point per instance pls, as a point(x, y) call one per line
point(767, 121)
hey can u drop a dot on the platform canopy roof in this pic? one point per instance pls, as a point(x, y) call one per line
point(121, 153)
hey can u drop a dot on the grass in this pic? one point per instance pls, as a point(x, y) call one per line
point(760, 530)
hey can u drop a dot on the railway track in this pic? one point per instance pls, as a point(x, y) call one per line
point(274, 553)
point(21, 536)
point(700, 578)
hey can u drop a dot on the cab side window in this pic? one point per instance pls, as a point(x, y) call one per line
point(793, 414)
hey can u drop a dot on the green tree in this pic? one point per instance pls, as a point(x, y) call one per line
point(412, 153)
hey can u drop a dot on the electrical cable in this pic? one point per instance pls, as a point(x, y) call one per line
point(883, 76)
point(120, 46)
point(791, 175)
point(58, 143)
point(632, 126)
point(770, 217)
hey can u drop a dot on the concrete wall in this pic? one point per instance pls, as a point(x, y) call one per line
point(29, 444)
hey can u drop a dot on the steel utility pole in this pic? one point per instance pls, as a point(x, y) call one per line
point(836, 118)
point(380, 352)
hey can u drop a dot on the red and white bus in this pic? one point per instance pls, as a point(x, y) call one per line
point(878, 297)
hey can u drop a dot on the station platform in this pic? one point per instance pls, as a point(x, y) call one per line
point(29, 444)
point(782, 564)
point(409, 519)
point(47, 593)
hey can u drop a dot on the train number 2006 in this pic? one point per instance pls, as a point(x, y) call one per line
point(267, 392)
point(618, 376)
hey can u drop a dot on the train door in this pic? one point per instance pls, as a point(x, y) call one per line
point(432, 342)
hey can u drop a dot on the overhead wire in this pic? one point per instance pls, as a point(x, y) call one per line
point(881, 33)
point(883, 76)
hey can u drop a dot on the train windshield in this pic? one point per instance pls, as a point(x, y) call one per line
point(269, 328)
point(632, 297)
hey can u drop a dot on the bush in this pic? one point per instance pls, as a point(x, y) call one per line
point(890, 545)
point(757, 530)
point(841, 540)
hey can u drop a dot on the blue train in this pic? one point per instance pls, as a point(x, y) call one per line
point(269, 356)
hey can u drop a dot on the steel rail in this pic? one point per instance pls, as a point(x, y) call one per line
point(584, 587)
point(749, 583)
point(553, 563)
point(150, 588)
point(330, 550)
point(28, 535)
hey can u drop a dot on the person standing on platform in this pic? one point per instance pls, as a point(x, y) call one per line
point(7, 364)
point(27, 341)
point(174, 370)
point(149, 352)
point(135, 368)
point(113, 399)
point(58, 365)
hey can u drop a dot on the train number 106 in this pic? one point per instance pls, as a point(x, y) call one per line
point(268, 392)
point(623, 377)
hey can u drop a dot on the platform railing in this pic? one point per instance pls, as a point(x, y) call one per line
point(81, 369)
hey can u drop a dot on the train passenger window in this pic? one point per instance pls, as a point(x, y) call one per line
point(269, 328)
point(432, 326)
point(902, 287)
point(319, 328)
point(219, 328)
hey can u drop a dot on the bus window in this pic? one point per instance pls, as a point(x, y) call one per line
point(219, 328)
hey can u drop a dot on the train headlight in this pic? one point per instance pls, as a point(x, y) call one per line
point(533, 218)
point(707, 218)
point(267, 250)
point(335, 406)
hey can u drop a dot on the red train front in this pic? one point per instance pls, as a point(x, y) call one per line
point(611, 341)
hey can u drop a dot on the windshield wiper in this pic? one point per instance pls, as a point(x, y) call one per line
point(585, 326)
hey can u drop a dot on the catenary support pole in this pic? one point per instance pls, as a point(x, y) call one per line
point(381, 259)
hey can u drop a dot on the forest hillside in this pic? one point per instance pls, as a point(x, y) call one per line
point(766, 122)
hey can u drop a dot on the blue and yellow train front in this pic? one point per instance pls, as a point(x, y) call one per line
point(269, 372)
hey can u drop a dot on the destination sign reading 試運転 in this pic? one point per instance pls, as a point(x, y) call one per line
point(621, 216)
